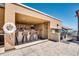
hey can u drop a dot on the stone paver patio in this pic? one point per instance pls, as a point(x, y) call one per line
point(47, 48)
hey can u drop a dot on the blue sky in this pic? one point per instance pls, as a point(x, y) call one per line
point(63, 11)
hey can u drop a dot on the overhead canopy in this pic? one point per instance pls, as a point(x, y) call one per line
point(66, 28)
point(20, 18)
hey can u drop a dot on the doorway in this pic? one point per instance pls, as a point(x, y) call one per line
point(1, 27)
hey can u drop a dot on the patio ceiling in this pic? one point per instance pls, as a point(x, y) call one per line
point(20, 18)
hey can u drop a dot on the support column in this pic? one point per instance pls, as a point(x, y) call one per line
point(49, 31)
point(9, 17)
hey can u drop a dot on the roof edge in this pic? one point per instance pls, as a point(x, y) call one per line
point(38, 11)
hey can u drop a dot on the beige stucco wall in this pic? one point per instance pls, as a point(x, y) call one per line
point(11, 9)
point(54, 23)
point(18, 9)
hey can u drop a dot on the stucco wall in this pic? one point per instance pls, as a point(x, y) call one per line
point(13, 8)
point(26, 11)
point(54, 23)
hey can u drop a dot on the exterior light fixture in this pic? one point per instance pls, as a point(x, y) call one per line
point(9, 28)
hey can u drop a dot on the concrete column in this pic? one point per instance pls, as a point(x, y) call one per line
point(59, 36)
point(9, 17)
point(42, 30)
point(49, 31)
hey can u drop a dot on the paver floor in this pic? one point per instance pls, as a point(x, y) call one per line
point(47, 48)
